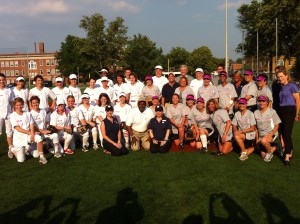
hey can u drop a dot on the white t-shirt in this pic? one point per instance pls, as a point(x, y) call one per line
point(99, 83)
point(99, 111)
point(123, 88)
point(60, 120)
point(76, 115)
point(6, 97)
point(93, 95)
point(76, 93)
point(139, 121)
point(40, 118)
point(135, 93)
point(62, 94)
point(23, 121)
point(195, 85)
point(121, 113)
point(160, 81)
point(44, 95)
point(89, 113)
point(22, 93)
point(109, 91)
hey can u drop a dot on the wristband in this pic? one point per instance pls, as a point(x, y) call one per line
point(166, 139)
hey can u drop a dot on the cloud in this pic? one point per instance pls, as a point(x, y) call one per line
point(122, 5)
point(33, 7)
point(182, 2)
point(232, 5)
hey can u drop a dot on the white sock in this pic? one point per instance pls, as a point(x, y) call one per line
point(56, 148)
point(95, 135)
point(204, 140)
point(85, 140)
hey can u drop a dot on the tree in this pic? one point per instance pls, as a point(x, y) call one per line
point(69, 57)
point(178, 56)
point(142, 55)
point(203, 58)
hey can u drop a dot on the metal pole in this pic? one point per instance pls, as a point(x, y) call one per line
point(243, 50)
point(29, 79)
point(276, 42)
point(226, 37)
point(257, 52)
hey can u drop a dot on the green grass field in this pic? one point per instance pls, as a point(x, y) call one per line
point(172, 188)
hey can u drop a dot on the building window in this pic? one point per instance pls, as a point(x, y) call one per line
point(16, 64)
point(3, 71)
point(7, 73)
point(48, 62)
point(23, 63)
point(41, 71)
point(6, 63)
point(52, 62)
point(11, 63)
point(48, 71)
point(12, 72)
point(32, 65)
point(52, 71)
point(2, 64)
point(17, 72)
point(23, 72)
point(57, 71)
point(41, 62)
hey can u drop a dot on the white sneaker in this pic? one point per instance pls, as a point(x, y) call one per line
point(57, 155)
point(43, 160)
point(268, 157)
point(243, 156)
point(95, 146)
point(127, 145)
point(10, 153)
point(85, 148)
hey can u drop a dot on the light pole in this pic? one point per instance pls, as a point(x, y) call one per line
point(226, 36)
point(78, 75)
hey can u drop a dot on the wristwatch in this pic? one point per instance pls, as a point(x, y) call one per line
point(166, 139)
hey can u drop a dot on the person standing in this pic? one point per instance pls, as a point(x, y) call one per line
point(60, 91)
point(184, 73)
point(198, 81)
point(289, 106)
point(149, 90)
point(121, 87)
point(208, 90)
point(168, 90)
point(183, 90)
point(249, 91)
point(159, 80)
point(76, 92)
point(21, 91)
point(91, 90)
point(103, 73)
point(135, 89)
point(263, 88)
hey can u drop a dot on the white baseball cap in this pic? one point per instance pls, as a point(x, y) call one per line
point(59, 79)
point(159, 67)
point(85, 95)
point(103, 70)
point(72, 76)
point(199, 70)
point(20, 78)
point(122, 94)
point(60, 101)
point(104, 78)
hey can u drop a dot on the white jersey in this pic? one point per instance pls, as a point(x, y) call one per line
point(135, 93)
point(62, 94)
point(208, 92)
point(226, 93)
point(6, 97)
point(40, 118)
point(250, 89)
point(23, 121)
point(93, 95)
point(22, 93)
point(160, 81)
point(76, 115)
point(139, 120)
point(60, 120)
point(195, 85)
point(44, 95)
point(99, 111)
point(109, 91)
point(123, 88)
point(88, 113)
point(76, 93)
point(121, 113)
point(99, 83)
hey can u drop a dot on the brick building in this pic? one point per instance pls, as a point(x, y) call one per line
point(29, 64)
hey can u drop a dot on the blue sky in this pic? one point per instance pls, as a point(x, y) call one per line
point(169, 23)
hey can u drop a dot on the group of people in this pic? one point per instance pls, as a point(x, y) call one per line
point(128, 113)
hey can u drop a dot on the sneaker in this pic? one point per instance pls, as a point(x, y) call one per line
point(85, 149)
point(69, 151)
point(268, 157)
point(180, 145)
point(26, 149)
point(57, 155)
point(203, 149)
point(95, 146)
point(10, 153)
point(43, 160)
point(127, 145)
point(243, 156)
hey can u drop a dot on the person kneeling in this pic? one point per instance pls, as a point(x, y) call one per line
point(160, 127)
point(111, 133)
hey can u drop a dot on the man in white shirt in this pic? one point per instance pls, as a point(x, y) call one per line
point(198, 81)
point(76, 92)
point(44, 93)
point(159, 80)
point(137, 125)
point(60, 90)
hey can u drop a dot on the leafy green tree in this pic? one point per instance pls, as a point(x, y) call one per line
point(142, 55)
point(202, 58)
point(178, 56)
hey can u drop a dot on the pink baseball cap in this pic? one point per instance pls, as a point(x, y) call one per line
point(207, 76)
point(200, 99)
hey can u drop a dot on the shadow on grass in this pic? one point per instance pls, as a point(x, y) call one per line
point(59, 214)
point(276, 210)
point(126, 210)
point(193, 219)
point(218, 203)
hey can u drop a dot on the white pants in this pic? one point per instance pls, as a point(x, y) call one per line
point(8, 127)
point(64, 136)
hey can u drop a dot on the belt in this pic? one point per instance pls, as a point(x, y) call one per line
point(140, 132)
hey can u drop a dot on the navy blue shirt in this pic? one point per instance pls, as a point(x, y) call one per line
point(160, 128)
point(112, 129)
point(168, 91)
point(286, 94)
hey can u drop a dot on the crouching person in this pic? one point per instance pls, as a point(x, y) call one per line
point(41, 119)
point(24, 133)
point(111, 133)
point(137, 125)
point(62, 121)
point(160, 128)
